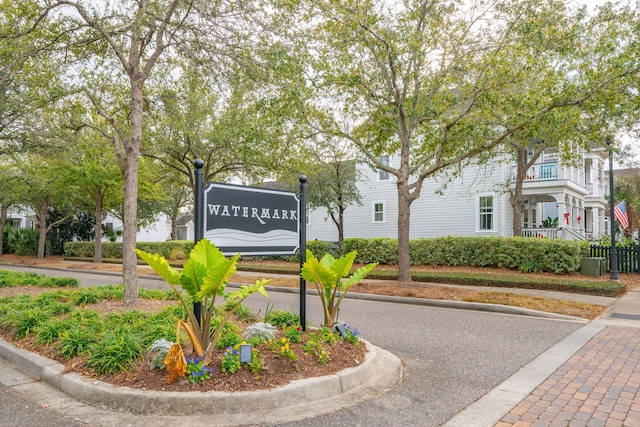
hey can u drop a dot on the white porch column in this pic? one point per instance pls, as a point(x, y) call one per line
point(561, 209)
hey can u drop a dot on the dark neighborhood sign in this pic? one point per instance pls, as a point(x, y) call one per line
point(250, 220)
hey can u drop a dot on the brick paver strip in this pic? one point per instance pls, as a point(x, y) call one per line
point(598, 385)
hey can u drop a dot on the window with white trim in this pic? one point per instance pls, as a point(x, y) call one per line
point(378, 212)
point(383, 175)
point(486, 213)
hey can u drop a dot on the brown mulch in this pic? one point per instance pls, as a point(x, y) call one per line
point(276, 371)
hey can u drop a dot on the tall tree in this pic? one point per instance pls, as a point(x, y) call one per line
point(436, 83)
point(11, 189)
point(578, 46)
point(47, 183)
point(96, 180)
point(332, 175)
point(120, 44)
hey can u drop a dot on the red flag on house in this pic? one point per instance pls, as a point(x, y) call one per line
point(620, 212)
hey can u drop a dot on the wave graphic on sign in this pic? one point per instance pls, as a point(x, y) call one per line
point(229, 237)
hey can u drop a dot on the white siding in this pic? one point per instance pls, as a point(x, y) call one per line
point(321, 227)
point(454, 212)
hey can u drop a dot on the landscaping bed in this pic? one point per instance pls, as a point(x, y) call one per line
point(155, 313)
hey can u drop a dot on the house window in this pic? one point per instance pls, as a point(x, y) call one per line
point(486, 210)
point(378, 212)
point(382, 174)
point(109, 227)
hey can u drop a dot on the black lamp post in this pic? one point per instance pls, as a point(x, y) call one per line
point(613, 253)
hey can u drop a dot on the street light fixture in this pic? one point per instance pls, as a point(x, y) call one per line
point(613, 253)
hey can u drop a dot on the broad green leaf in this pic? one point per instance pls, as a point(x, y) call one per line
point(218, 276)
point(315, 272)
point(357, 275)
point(245, 290)
point(161, 266)
point(192, 275)
point(206, 254)
point(342, 266)
point(327, 261)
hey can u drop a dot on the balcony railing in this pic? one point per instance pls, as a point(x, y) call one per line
point(595, 190)
point(553, 171)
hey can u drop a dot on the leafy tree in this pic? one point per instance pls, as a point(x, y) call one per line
point(176, 197)
point(96, 181)
point(102, 39)
point(10, 191)
point(575, 45)
point(437, 84)
point(29, 79)
point(47, 185)
point(332, 175)
point(231, 128)
point(119, 47)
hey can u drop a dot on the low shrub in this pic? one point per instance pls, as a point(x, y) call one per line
point(10, 278)
point(175, 249)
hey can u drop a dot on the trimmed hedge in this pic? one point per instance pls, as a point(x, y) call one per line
point(175, 250)
point(527, 254)
point(172, 249)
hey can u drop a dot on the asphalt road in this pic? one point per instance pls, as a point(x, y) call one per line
point(451, 357)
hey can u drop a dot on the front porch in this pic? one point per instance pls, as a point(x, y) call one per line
point(563, 201)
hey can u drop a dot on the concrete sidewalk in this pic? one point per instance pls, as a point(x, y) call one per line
point(591, 378)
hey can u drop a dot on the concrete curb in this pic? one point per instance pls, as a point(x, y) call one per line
point(300, 399)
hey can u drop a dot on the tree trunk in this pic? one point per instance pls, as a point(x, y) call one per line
point(404, 208)
point(174, 221)
point(3, 220)
point(42, 228)
point(340, 227)
point(129, 228)
point(97, 247)
point(515, 199)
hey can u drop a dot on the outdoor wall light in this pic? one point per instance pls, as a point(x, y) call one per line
point(246, 351)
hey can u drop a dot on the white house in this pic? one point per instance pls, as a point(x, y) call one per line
point(158, 231)
point(476, 203)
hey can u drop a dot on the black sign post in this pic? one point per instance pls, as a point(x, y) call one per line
point(303, 250)
point(199, 229)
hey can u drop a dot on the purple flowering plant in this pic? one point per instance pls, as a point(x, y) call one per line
point(197, 370)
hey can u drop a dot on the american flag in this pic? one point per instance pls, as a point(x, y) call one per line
point(620, 212)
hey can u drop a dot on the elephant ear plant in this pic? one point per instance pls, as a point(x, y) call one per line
point(204, 277)
point(328, 274)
